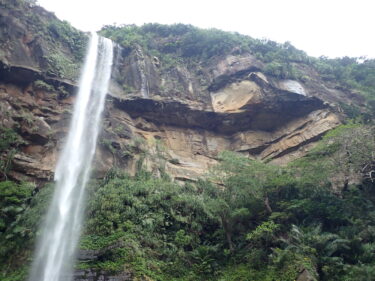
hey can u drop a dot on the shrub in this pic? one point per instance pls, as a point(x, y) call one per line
point(41, 85)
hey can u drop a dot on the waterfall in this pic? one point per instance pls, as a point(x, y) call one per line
point(55, 252)
point(142, 68)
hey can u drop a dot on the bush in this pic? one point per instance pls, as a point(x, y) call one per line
point(61, 66)
point(21, 211)
point(41, 85)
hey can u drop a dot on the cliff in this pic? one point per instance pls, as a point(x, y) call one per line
point(174, 117)
point(179, 96)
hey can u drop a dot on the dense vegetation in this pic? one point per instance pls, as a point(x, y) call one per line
point(21, 210)
point(257, 222)
point(247, 221)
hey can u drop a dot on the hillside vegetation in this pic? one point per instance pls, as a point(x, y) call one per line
point(246, 220)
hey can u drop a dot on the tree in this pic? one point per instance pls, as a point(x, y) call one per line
point(240, 193)
point(32, 2)
point(353, 156)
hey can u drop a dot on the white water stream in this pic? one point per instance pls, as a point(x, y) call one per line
point(55, 252)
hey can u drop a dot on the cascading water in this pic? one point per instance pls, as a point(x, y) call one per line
point(55, 251)
point(142, 67)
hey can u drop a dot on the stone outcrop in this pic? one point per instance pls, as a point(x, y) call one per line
point(92, 275)
point(305, 276)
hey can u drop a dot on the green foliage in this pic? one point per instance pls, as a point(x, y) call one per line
point(15, 3)
point(351, 73)
point(17, 275)
point(149, 219)
point(9, 143)
point(244, 272)
point(70, 36)
point(8, 138)
point(225, 229)
point(269, 51)
point(63, 92)
point(64, 40)
point(177, 43)
point(108, 144)
point(182, 239)
point(264, 232)
point(21, 211)
point(205, 44)
point(344, 153)
point(282, 70)
point(41, 85)
point(181, 40)
point(202, 44)
point(62, 66)
point(12, 202)
point(128, 89)
point(63, 45)
point(248, 221)
point(238, 199)
point(95, 242)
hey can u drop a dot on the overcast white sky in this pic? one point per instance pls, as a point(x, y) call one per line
point(332, 28)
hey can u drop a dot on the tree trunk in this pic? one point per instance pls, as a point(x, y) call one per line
point(228, 234)
point(267, 204)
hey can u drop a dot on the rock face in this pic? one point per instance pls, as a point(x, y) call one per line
point(90, 275)
point(172, 120)
point(305, 276)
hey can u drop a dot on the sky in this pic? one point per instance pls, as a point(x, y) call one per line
point(333, 28)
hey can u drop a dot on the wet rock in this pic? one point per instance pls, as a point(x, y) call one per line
point(236, 96)
point(292, 86)
point(92, 275)
point(32, 168)
point(305, 276)
point(88, 255)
